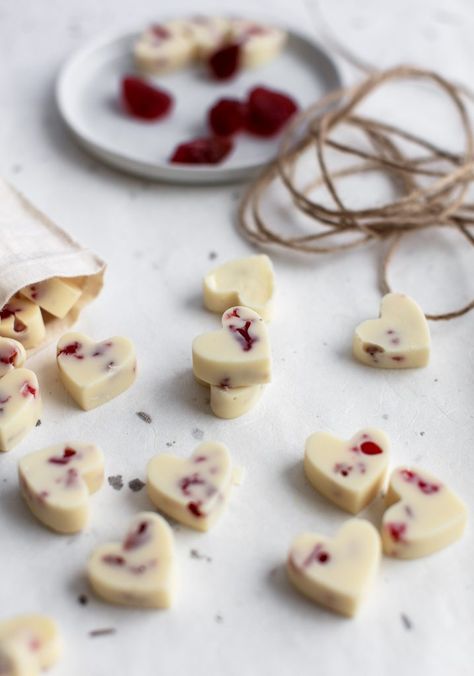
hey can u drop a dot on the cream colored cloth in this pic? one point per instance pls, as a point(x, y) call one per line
point(33, 248)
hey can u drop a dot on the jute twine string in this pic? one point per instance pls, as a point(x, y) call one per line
point(437, 202)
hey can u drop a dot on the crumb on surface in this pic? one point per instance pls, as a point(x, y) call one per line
point(83, 599)
point(212, 255)
point(38, 423)
point(219, 619)
point(107, 631)
point(196, 554)
point(116, 482)
point(136, 485)
point(407, 623)
point(146, 417)
point(170, 443)
point(197, 434)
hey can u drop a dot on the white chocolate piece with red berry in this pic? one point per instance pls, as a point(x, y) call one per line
point(163, 48)
point(193, 491)
point(238, 355)
point(245, 281)
point(55, 295)
point(20, 406)
point(349, 473)
point(423, 514)
point(22, 320)
point(207, 34)
point(28, 645)
point(140, 571)
point(12, 355)
point(336, 572)
point(399, 339)
point(232, 402)
point(259, 43)
point(56, 483)
point(94, 373)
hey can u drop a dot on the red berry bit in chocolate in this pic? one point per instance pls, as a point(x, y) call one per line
point(195, 508)
point(225, 62)
point(27, 388)
point(425, 486)
point(144, 101)
point(397, 530)
point(113, 560)
point(317, 555)
point(268, 111)
point(138, 537)
point(227, 117)
point(188, 481)
point(160, 32)
point(202, 151)
point(72, 349)
point(10, 357)
point(342, 468)
point(370, 448)
point(8, 311)
point(66, 457)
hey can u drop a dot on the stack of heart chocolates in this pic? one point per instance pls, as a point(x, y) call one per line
point(422, 515)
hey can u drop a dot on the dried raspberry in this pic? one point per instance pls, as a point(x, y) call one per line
point(202, 151)
point(225, 62)
point(268, 111)
point(227, 117)
point(144, 101)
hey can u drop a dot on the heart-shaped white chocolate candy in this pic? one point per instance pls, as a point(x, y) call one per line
point(20, 406)
point(55, 295)
point(336, 572)
point(140, 571)
point(193, 491)
point(423, 514)
point(259, 43)
point(237, 355)
point(349, 473)
point(28, 644)
point(163, 48)
point(207, 33)
point(56, 483)
point(399, 339)
point(22, 320)
point(232, 402)
point(245, 281)
point(12, 355)
point(94, 373)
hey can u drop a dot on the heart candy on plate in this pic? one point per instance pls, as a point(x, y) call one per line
point(140, 571)
point(56, 483)
point(94, 373)
point(28, 644)
point(349, 473)
point(399, 339)
point(12, 355)
point(336, 572)
point(423, 514)
point(20, 406)
point(237, 355)
point(22, 320)
point(245, 281)
point(192, 490)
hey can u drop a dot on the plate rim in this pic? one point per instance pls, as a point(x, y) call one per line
point(160, 171)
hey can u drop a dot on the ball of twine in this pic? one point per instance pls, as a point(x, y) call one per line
point(438, 202)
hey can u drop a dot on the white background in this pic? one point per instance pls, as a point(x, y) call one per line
point(157, 240)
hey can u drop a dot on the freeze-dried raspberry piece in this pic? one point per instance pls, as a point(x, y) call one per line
point(268, 111)
point(225, 62)
point(227, 116)
point(144, 101)
point(210, 150)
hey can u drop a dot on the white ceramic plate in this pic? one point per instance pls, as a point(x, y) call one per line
point(87, 95)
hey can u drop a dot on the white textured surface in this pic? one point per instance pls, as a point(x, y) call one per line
point(157, 241)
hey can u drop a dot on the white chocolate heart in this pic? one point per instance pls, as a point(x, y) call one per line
point(22, 320)
point(336, 572)
point(20, 406)
point(95, 373)
point(193, 491)
point(245, 281)
point(140, 571)
point(232, 402)
point(12, 355)
point(207, 34)
point(55, 295)
point(259, 43)
point(423, 514)
point(56, 483)
point(399, 339)
point(349, 473)
point(163, 48)
point(28, 644)
point(237, 355)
